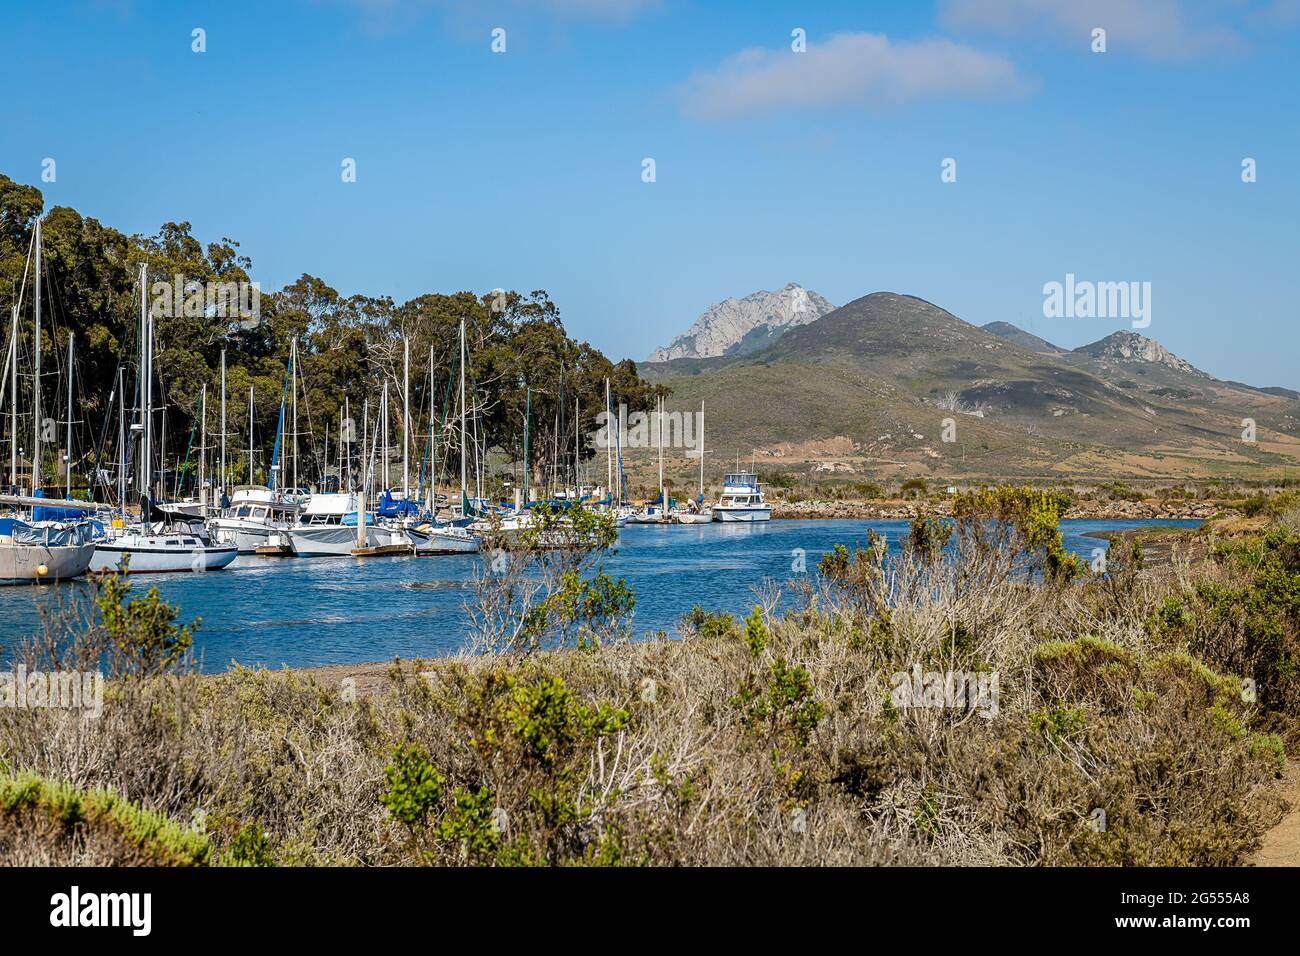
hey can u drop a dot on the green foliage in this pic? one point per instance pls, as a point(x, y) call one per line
point(782, 701)
point(68, 814)
point(469, 823)
point(346, 344)
point(249, 847)
point(928, 537)
point(413, 786)
point(143, 631)
point(708, 625)
point(1058, 722)
point(546, 719)
point(1250, 622)
point(755, 632)
point(1022, 519)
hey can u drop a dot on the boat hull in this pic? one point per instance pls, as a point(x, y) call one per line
point(339, 539)
point(694, 519)
point(440, 541)
point(20, 563)
point(751, 514)
point(135, 559)
point(245, 536)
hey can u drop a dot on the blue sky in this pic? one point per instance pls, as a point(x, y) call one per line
point(524, 169)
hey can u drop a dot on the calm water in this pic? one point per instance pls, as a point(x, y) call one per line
point(304, 612)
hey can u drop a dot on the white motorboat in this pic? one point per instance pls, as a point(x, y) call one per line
point(256, 514)
point(742, 499)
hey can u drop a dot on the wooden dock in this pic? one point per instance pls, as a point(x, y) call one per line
point(383, 550)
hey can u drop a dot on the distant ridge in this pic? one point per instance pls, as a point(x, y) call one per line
point(1026, 340)
point(883, 379)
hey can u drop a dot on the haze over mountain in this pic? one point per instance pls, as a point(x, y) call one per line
point(876, 385)
point(738, 326)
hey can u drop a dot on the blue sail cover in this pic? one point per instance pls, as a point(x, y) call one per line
point(43, 513)
point(388, 508)
point(49, 536)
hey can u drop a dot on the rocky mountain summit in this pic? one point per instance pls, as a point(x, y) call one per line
point(738, 326)
point(1131, 347)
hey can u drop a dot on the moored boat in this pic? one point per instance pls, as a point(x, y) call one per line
point(255, 515)
point(31, 554)
point(742, 499)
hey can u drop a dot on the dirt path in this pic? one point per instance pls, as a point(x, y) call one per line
point(1282, 843)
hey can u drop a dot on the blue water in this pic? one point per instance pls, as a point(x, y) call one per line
point(314, 611)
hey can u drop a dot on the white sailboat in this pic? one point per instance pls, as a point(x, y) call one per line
point(703, 515)
point(163, 541)
point(36, 551)
point(433, 537)
point(656, 513)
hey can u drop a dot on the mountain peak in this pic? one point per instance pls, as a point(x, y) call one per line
point(736, 326)
point(1126, 346)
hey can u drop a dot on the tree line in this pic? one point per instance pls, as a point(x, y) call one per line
point(519, 356)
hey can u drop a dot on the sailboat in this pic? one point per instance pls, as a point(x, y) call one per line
point(164, 540)
point(38, 550)
point(703, 515)
point(259, 517)
point(431, 536)
point(656, 512)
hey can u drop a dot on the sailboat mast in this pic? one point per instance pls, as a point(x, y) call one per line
point(577, 480)
point(36, 379)
point(362, 507)
point(701, 452)
point(203, 449)
point(13, 408)
point(463, 433)
point(146, 387)
point(222, 476)
point(528, 410)
point(609, 452)
point(121, 440)
point(294, 386)
point(433, 440)
point(383, 415)
point(67, 491)
point(663, 500)
point(250, 434)
point(406, 418)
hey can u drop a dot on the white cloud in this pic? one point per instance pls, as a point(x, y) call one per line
point(1152, 29)
point(847, 69)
